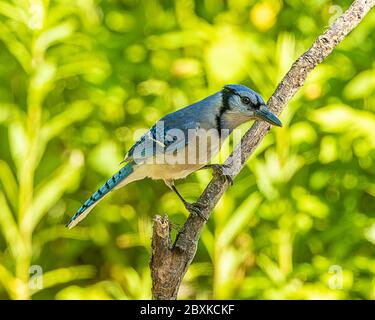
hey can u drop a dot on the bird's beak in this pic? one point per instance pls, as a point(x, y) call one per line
point(264, 114)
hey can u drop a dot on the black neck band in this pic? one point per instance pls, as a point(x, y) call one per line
point(226, 93)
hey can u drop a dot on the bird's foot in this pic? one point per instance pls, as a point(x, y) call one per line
point(196, 208)
point(220, 170)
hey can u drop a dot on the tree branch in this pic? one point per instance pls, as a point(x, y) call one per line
point(169, 263)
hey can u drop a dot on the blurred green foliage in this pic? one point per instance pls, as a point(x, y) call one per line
point(80, 80)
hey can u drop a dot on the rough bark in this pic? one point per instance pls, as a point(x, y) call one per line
point(169, 262)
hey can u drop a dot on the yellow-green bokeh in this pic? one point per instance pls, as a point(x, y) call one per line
point(81, 80)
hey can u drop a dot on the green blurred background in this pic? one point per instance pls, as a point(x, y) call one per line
point(81, 80)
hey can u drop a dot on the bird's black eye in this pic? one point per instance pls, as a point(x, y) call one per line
point(245, 100)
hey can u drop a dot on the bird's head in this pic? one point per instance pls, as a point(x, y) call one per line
point(241, 102)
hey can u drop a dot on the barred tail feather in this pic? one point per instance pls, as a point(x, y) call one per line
point(115, 181)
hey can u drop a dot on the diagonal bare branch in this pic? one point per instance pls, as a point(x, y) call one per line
point(169, 263)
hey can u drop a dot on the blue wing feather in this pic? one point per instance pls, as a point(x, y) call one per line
point(157, 138)
point(155, 141)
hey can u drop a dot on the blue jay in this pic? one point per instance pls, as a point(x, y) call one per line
point(183, 142)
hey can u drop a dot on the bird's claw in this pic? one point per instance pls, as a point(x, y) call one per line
point(196, 208)
point(219, 171)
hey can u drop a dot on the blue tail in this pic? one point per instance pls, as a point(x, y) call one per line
point(111, 183)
